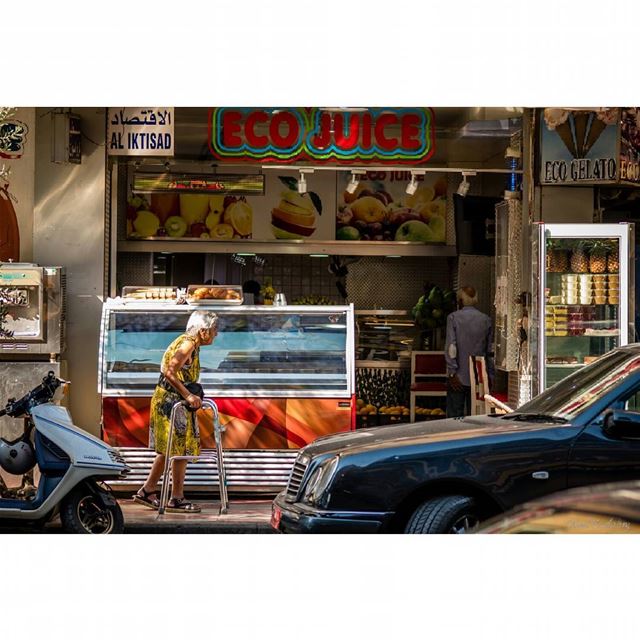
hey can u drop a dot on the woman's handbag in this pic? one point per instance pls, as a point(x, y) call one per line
point(195, 389)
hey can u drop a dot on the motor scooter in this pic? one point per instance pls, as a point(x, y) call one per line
point(73, 466)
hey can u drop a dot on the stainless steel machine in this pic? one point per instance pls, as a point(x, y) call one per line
point(32, 336)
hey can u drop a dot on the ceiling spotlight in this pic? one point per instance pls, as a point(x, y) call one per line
point(412, 187)
point(355, 181)
point(353, 184)
point(302, 184)
point(465, 185)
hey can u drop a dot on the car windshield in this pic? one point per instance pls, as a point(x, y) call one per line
point(571, 396)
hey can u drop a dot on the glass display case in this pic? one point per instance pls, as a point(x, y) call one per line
point(279, 351)
point(384, 335)
point(584, 292)
point(281, 376)
point(384, 340)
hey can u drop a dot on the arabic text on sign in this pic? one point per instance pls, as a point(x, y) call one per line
point(148, 118)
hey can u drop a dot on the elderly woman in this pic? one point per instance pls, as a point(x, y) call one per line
point(180, 368)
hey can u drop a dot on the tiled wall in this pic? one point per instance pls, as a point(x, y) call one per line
point(372, 282)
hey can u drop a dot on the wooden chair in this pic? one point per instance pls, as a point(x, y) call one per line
point(479, 385)
point(428, 377)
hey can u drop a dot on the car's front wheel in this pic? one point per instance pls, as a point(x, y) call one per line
point(446, 514)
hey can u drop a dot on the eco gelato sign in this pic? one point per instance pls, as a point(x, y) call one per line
point(579, 145)
point(383, 136)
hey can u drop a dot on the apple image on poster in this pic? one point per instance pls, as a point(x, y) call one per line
point(381, 210)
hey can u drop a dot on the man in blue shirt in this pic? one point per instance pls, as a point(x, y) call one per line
point(469, 333)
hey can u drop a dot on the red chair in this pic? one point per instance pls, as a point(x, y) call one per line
point(428, 377)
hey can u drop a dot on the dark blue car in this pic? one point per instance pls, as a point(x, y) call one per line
point(449, 475)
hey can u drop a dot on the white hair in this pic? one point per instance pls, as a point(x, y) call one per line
point(199, 320)
point(466, 299)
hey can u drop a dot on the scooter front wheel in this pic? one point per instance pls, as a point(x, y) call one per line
point(85, 511)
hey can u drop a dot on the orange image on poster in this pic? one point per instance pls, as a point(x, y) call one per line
point(251, 423)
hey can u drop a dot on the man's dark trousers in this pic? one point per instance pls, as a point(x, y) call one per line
point(458, 402)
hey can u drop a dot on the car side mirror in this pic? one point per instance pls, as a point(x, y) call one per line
point(622, 425)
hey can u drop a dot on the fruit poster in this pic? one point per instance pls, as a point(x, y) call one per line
point(578, 146)
point(286, 214)
point(190, 215)
point(380, 209)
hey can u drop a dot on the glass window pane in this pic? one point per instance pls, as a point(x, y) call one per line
point(253, 354)
point(582, 303)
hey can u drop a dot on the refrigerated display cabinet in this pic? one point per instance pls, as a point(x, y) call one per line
point(584, 289)
point(281, 376)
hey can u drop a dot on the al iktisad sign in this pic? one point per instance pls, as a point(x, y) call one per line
point(289, 135)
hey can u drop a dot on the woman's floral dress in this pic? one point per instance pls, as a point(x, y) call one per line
point(186, 438)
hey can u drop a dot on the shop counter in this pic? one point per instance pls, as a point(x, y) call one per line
point(281, 377)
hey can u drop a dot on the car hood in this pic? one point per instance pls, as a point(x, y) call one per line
point(432, 431)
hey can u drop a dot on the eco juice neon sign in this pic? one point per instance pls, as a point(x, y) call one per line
point(381, 136)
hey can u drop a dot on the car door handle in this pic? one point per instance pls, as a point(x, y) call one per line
point(540, 475)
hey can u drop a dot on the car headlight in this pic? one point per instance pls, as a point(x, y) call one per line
point(320, 480)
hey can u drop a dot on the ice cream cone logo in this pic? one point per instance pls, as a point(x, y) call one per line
point(602, 118)
point(579, 130)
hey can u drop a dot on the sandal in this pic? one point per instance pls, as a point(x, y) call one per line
point(147, 498)
point(180, 505)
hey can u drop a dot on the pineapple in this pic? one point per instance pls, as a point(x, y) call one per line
point(613, 260)
point(579, 258)
point(598, 257)
point(557, 257)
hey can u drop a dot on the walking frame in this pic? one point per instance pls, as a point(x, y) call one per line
point(218, 456)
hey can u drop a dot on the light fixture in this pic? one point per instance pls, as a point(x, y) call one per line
point(318, 255)
point(302, 182)
point(412, 187)
point(355, 180)
point(465, 185)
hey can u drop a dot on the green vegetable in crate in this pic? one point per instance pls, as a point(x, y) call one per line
point(433, 307)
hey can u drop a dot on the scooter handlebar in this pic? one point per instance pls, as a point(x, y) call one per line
point(41, 394)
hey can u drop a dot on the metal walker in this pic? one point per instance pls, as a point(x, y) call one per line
point(218, 456)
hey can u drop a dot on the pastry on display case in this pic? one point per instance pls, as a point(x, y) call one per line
point(214, 294)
